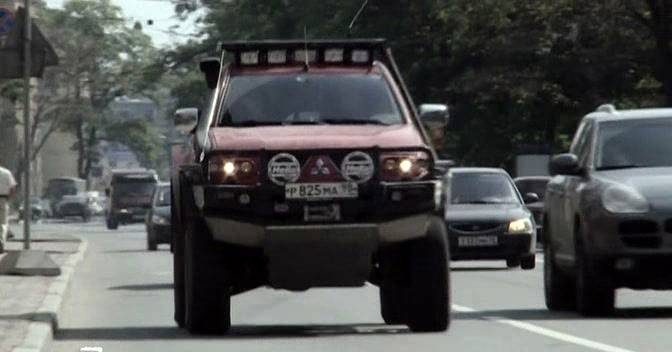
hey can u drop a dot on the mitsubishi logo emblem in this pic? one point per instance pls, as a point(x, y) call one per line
point(320, 168)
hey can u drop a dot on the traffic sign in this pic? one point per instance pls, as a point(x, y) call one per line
point(7, 21)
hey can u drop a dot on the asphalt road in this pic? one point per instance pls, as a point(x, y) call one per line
point(121, 300)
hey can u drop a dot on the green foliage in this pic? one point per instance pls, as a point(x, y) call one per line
point(514, 71)
point(138, 135)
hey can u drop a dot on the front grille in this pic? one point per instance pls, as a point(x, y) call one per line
point(476, 227)
point(637, 227)
point(649, 242)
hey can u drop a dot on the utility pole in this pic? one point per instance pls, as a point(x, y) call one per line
point(27, 64)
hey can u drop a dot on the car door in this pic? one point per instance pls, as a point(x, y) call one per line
point(569, 194)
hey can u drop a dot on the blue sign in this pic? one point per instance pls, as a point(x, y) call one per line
point(7, 21)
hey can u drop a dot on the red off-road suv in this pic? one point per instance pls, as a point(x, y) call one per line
point(308, 168)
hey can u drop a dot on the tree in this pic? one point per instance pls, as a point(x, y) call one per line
point(101, 58)
point(514, 71)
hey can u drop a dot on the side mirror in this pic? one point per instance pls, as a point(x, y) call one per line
point(107, 192)
point(565, 164)
point(210, 67)
point(186, 119)
point(442, 166)
point(531, 198)
point(435, 118)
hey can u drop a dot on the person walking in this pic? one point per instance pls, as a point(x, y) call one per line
point(7, 191)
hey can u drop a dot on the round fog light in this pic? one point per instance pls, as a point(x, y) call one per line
point(244, 198)
point(397, 196)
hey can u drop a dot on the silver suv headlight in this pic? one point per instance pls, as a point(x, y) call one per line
point(619, 199)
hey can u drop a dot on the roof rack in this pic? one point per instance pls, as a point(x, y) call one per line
point(608, 108)
point(285, 52)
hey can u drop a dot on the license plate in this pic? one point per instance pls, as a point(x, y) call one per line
point(477, 241)
point(318, 191)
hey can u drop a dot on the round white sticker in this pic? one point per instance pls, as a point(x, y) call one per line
point(284, 168)
point(357, 167)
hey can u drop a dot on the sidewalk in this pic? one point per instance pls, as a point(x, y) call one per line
point(29, 305)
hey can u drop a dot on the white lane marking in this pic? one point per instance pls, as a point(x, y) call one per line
point(579, 341)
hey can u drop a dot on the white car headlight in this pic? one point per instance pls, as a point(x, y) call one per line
point(520, 227)
point(160, 220)
point(622, 199)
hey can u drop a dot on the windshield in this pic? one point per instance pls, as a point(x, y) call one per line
point(134, 189)
point(485, 188)
point(634, 143)
point(537, 187)
point(162, 196)
point(309, 99)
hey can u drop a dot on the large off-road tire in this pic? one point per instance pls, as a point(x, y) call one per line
point(429, 285)
point(393, 303)
point(559, 290)
point(207, 297)
point(178, 278)
point(595, 294)
point(177, 247)
point(393, 284)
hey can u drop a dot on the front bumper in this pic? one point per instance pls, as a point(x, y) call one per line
point(325, 253)
point(616, 235)
point(508, 246)
point(131, 216)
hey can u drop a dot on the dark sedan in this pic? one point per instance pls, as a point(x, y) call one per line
point(609, 210)
point(158, 218)
point(486, 218)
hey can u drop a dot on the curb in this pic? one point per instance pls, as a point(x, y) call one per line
point(45, 323)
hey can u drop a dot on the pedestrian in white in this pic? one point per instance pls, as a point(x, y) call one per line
point(7, 190)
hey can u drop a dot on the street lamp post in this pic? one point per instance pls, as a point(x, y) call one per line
point(27, 64)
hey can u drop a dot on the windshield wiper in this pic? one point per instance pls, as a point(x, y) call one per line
point(354, 122)
point(619, 167)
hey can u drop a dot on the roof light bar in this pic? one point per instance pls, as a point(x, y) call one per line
point(276, 57)
point(292, 52)
point(333, 55)
point(249, 58)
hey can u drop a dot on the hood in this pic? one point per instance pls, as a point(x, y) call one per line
point(315, 137)
point(654, 183)
point(485, 212)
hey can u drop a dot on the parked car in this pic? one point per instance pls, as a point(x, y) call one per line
point(37, 209)
point(531, 186)
point(309, 169)
point(486, 218)
point(77, 205)
point(158, 218)
point(609, 210)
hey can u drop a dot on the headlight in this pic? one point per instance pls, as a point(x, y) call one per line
point(404, 166)
point(160, 220)
point(233, 169)
point(622, 199)
point(521, 226)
